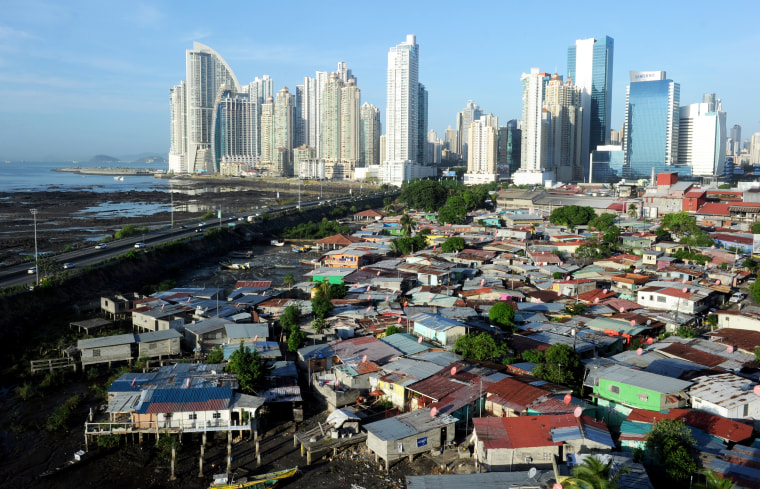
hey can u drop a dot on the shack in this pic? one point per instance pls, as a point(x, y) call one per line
point(107, 349)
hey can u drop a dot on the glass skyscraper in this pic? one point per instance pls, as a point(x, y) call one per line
point(651, 125)
point(589, 67)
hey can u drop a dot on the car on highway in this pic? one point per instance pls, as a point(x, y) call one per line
point(32, 270)
point(101, 246)
point(139, 245)
point(68, 265)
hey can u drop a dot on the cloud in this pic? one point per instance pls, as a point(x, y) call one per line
point(196, 35)
point(11, 34)
point(145, 15)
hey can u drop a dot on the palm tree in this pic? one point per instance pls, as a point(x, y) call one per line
point(289, 280)
point(714, 480)
point(593, 474)
point(632, 211)
point(407, 223)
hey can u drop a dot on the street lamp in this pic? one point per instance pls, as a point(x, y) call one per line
point(36, 255)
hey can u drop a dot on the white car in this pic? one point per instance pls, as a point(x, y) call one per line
point(737, 297)
point(139, 245)
point(69, 265)
point(100, 246)
point(32, 270)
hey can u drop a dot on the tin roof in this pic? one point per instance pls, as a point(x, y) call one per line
point(407, 344)
point(644, 380)
point(711, 424)
point(240, 331)
point(408, 424)
point(538, 431)
point(375, 350)
point(725, 390)
point(161, 335)
point(184, 400)
point(105, 341)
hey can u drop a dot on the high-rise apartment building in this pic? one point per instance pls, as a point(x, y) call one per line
point(465, 118)
point(702, 138)
point(330, 116)
point(401, 115)
point(482, 150)
point(563, 101)
point(422, 125)
point(450, 139)
point(259, 90)
point(267, 132)
point(350, 123)
point(754, 149)
point(232, 136)
point(341, 121)
point(589, 66)
point(284, 129)
point(736, 139)
point(178, 129)
point(434, 145)
point(369, 137)
point(536, 131)
point(651, 125)
point(206, 72)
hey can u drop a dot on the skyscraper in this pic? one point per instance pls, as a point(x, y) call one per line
point(736, 138)
point(470, 113)
point(702, 138)
point(267, 132)
point(370, 135)
point(259, 90)
point(330, 117)
point(651, 125)
point(563, 101)
point(450, 139)
point(232, 141)
point(482, 150)
point(536, 126)
point(401, 115)
point(284, 124)
point(178, 129)
point(754, 149)
point(422, 124)
point(206, 72)
point(589, 66)
point(350, 123)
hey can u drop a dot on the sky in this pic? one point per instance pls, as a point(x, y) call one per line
point(79, 78)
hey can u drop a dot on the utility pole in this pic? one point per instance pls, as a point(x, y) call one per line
point(36, 254)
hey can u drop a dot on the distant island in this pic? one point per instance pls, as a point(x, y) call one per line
point(144, 158)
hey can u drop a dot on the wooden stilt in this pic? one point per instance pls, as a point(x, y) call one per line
point(174, 457)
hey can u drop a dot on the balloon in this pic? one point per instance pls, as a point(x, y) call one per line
point(419, 340)
point(717, 282)
point(596, 300)
point(684, 280)
point(364, 359)
point(622, 309)
point(399, 321)
point(453, 371)
point(756, 390)
point(557, 486)
point(433, 412)
point(369, 308)
point(639, 351)
point(482, 282)
point(567, 278)
point(578, 411)
point(378, 273)
point(605, 291)
point(650, 340)
point(368, 289)
point(684, 290)
point(255, 338)
point(633, 322)
point(730, 349)
point(567, 398)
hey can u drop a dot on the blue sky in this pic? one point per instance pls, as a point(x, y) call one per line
point(79, 78)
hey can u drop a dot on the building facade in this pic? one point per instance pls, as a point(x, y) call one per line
point(369, 136)
point(536, 126)
point(467, 116)
point(482, 152)
point(401, 115)
point(702, 139)
point(563, 101)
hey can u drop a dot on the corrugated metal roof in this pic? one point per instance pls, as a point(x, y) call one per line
point(417, 369)
point(240, 331)
point(406, 343)
point(408, 424)
point(435, 322)
point(725, 390)
point(185, 400)
point(164, 334)
point(283, 394)
point(644, 380)
point(375, 350)
point(105, 341)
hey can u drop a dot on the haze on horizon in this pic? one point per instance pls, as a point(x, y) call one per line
point(82, 78)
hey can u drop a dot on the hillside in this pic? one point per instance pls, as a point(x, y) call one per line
point(103, 159)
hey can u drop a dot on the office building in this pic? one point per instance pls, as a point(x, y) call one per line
point(508, 159)
point(422, 125)
point(606, 164)
point(470, 113)
point(589, 66)
point(536, 131)
point(450, 139)
point(401, 115)
point(369, 138)
point(434, 145)
point(232, 134)
point(206, 72)
point(563, 102)
point(702, 139)
point(482, 150)
point(736, 140)
point(651, 125)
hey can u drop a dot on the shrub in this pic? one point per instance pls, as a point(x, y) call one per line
point(26, 391)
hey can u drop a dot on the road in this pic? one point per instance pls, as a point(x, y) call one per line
point(18, 275)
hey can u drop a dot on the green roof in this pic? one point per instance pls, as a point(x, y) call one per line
point(617, 325)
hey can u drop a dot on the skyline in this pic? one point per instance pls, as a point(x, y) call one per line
point(86, 78)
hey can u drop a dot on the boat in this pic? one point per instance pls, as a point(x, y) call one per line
point(274, 242)
point(301, 249)
point(261, 481)
point(242, 254)
point(235, 266)
point(311, 263)
point(284, 266)
point(121, 179)
point(78, 458)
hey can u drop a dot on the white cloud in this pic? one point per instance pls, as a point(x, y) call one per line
point(11, 34)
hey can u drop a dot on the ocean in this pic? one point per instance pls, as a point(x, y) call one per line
point(20, 176)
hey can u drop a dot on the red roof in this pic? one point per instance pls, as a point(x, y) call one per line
point(369, 213)
point(700, 357)
point(617, 206)
point(694, 194)
point(518, 395)
point(674, 293)
point(339, 239)
point(715, 209)
point(594, 294)
point(709, 423)
point(742, 338)
point(526, 431)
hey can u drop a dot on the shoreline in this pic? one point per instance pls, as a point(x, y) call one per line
point(119, 171)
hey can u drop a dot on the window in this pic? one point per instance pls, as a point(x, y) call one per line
point(168, 416)
point(96, 352)
point(651, 297)
point(746, 410)
point(643, 397)
point(192, 416)
point(152, 346)
point(217, 415)
point(615, 389)
point(660, 298)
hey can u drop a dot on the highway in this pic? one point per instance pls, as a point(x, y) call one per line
point(17, 275)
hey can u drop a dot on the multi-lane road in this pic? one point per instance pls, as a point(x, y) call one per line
point(20, 274)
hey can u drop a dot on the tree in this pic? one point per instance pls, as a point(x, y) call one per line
point(453, 244)
point(289, 280)
point(576, 309)
point(290, 317)
point(669, 443)
point(756, 228)
point(481, 347)
point(603, 222)
point(454, 212)
point(251, 370)
point(572, 215)
point(392, 329)
point(502, 315)
point(611, 235)
point(594, 474)
point(321, 307)
point(407, 223)
point(560, 366)
point(754, 291)
point(427, 195)
point(633, 211)
point(216, 355)
point(533, 356)
point(713, 480)
point(296, 340)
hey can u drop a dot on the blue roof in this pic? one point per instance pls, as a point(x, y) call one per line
point(406, 343)
point(435, 322)
point(183, 396)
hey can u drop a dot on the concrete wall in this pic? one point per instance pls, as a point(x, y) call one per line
point(507, 460)
point(161, 348)
point(428, 440)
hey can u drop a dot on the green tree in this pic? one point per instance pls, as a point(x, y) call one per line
point(557, 275)
point(669, 443)
point(290, 317)
point(453, 244)
point(572, 215)
point(216, 355)
point(289, 280)
point(561, 365)
point(251, 370)
point(392, 329)
point(603, 222)
point(756, 228)
point(724, 186)
point(454, 212)
point(502, 315)
point(633, 211)
point(533, 356)
point(481, 347)
point(427, 195)
point(713, 480)
point(594, 474)
point(407, 223)
point(296, 340)
point(754, 291)
point(576, 309)
point(592, 250)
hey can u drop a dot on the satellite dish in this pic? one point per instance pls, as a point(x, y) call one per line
point(532, 472)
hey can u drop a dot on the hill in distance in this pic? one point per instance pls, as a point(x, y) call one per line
point(103, 159)
point(145, 158)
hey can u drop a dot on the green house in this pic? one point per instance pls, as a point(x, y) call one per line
point(638, 389)
point(330, 274)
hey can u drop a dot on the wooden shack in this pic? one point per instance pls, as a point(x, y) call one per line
point(107, 349)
